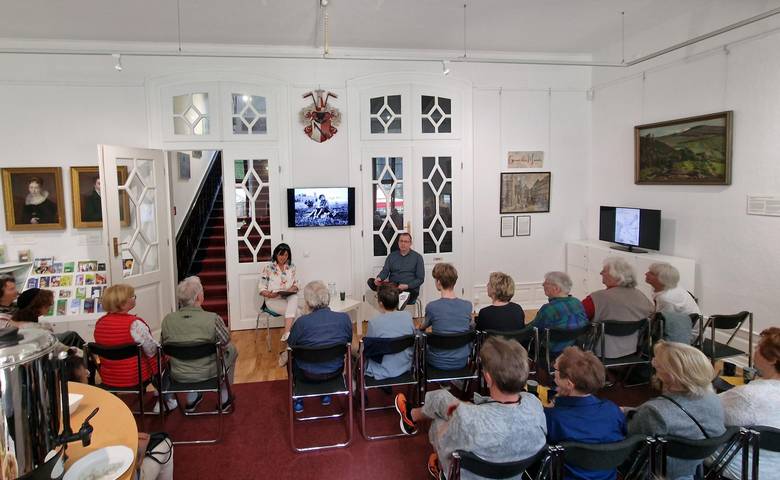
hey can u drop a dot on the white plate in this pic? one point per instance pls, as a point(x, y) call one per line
point(108, 463)
point(74, 400)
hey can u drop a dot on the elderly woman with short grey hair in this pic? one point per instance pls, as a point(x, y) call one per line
point(562, 310)
point(319, 328)
point(191, 325)
point(620, 301)
point(667, 295)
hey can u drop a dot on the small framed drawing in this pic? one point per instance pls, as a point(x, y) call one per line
point(525, 159)
point(184, 165)
point(508, 226)
point(33, 198)
point(523, 226)
point(525, 192)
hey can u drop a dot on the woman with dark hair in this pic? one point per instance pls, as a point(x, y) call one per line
point(38, 208)
point(8, 294)
point(34, 303)
point(279, 286)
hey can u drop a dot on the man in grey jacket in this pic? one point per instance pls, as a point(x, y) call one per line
point(404, 268)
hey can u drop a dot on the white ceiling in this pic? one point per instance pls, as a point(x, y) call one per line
point(553, 26)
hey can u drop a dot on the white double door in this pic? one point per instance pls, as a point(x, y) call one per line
point(413, 187)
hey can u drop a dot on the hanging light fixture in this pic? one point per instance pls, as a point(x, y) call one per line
point(118, 60)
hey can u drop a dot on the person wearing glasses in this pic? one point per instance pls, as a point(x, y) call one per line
point(120, 327)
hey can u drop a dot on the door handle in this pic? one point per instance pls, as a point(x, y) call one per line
point(117, 243)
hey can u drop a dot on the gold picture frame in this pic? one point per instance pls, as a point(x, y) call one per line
point(86, 203)
point(25, 209)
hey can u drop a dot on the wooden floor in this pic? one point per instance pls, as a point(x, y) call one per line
point(256, 364)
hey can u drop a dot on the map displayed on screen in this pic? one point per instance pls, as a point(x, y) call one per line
point(627, 226)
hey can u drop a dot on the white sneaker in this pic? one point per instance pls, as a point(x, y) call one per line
point(170, 404)
point(285, 336)
point(403, 297)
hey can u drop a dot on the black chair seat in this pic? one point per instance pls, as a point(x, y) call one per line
point(404, 379)
point(769, 438)
point(690, 449)
point(438, 374)
point(175, 387)
point(721, 350)
point(634, 358)
point(302, 388)
point(602, 456)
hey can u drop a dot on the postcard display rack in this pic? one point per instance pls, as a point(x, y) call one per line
point(77, 286)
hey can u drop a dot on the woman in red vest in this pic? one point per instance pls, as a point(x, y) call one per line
point(120, 327)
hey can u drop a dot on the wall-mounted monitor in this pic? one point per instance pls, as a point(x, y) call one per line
point(320, 207)
point(630, 227)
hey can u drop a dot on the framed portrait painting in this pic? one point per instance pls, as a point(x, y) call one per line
point(525, 192)
point(86, 197)
point(33, 198)
point(687, 151)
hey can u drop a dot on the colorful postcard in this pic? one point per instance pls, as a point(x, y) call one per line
point(87, 265)
point(31, 283)
point(43, 282)
point(62, 306)
point(54, 281)
point(81, 292)
point(99, 307)
point(89, 279)
point(68, 267)
point(65, 293)
point(75, 306)
point(89, 305)
point(50, 312)
point(100, 279)
point(43, 265)
point(101, 267)
point(127, 264)
point(57, 266)
point(79, 279)
point(66, 280)
point(96, 292)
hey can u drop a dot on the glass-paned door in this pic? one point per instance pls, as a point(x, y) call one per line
point(253, 209)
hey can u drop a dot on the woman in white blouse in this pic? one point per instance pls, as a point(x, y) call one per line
point(279, 286)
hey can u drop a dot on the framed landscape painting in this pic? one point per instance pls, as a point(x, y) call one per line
point(525, 192)
point(688, 151)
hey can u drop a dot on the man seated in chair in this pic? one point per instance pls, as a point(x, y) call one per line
point(319, 328)
point(507, 426)
point(391, 324)
point(403, 268)
point(193, 325)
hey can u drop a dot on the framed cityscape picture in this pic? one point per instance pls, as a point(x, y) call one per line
point(525, 192)
point(33, 198)
point(687, 151)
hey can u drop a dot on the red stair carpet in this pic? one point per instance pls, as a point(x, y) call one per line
point(210, 265)
point(256, 443)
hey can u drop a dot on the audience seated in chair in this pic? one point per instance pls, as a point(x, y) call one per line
point(191, 325)
point(390, 324)
point(757, 403)
point(506, 426)
point(580, 416)
point(667, 296)
point(687, 407)
point(120, 327)
point(620, 301)
point(319, 327)
point(8, 294)
point(503, 314)
point(403, 268)
point(157, 463)
point(32, 304)
point(561, 311)
point(448, 314)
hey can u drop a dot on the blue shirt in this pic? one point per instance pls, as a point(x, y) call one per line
point(448, 315)
point(390, 325)
point(320, 328)
point(585, 420)
point(408, 269)
point(560, 312)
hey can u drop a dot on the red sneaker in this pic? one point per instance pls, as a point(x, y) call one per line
point(407, 424)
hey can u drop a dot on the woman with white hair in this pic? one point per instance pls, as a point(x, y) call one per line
point(319, 328)
point(193, 325)
point(687, 406)
point(668, 297)
point(620, 301)
point(561, 311)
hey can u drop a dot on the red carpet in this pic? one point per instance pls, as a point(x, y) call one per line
point(256, 443)
point(209, 263)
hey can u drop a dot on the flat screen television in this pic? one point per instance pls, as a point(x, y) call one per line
point(320, 207)
point(630, 228)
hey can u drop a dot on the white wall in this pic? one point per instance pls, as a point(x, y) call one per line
point(183, 190)
point(736, 254)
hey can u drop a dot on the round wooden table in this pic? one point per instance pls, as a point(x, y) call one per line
point(114, 424)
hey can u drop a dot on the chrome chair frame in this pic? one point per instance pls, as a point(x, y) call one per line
point(268, 314)
point(326, 352)
point(194, 352)
point(727, 322)
point(414, 381)
point(700, 449)
point(644, 349)
point(471, 364)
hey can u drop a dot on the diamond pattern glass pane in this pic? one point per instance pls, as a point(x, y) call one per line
point(428, 164)
point(190, 114)
point(139, 236)
point(253, 212)
point(249, 114)
point(376, 104)
point(152, 260)
point(202, 127)
point(240, 102)
point(385, 114)
point(201, 102)
point(145, 171)
point(428, 102)
point(437, 204)
point(376, 126)
point(395, 126)
point(445, 126)
point(180, 104)
point(394, 102)
point(446, 105)
point(387, 202)
point(180, 126)
point(378, 166)
point(135, 187)
point(147, 215)
point(436, 114)
point(428, 126)
point(258, 103)
point(239, 126)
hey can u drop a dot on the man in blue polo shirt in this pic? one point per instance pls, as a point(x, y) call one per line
point(578, 415)
point(403, 268)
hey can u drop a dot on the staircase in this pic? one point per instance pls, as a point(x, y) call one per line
point(209, 263)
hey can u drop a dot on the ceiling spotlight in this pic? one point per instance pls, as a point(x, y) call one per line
point(324, 3)
point(118, 60)
point(445, 70)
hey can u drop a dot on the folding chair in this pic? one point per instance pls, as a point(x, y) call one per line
point(389, 346)
point(548, 460)
point(580, 337)
point(126, 352)
point(185, 352)
point(528, 337)
point(448, 341)
point(610, 456)
point(642, 355)
point(716, 350)
point(301, 388)
point(268, 314)
point(761, 438)
point(699, 449)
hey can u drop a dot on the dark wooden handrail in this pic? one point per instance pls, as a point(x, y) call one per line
point(195, 222)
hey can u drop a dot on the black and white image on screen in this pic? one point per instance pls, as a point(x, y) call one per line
point(627, 226)
point(317, 207)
